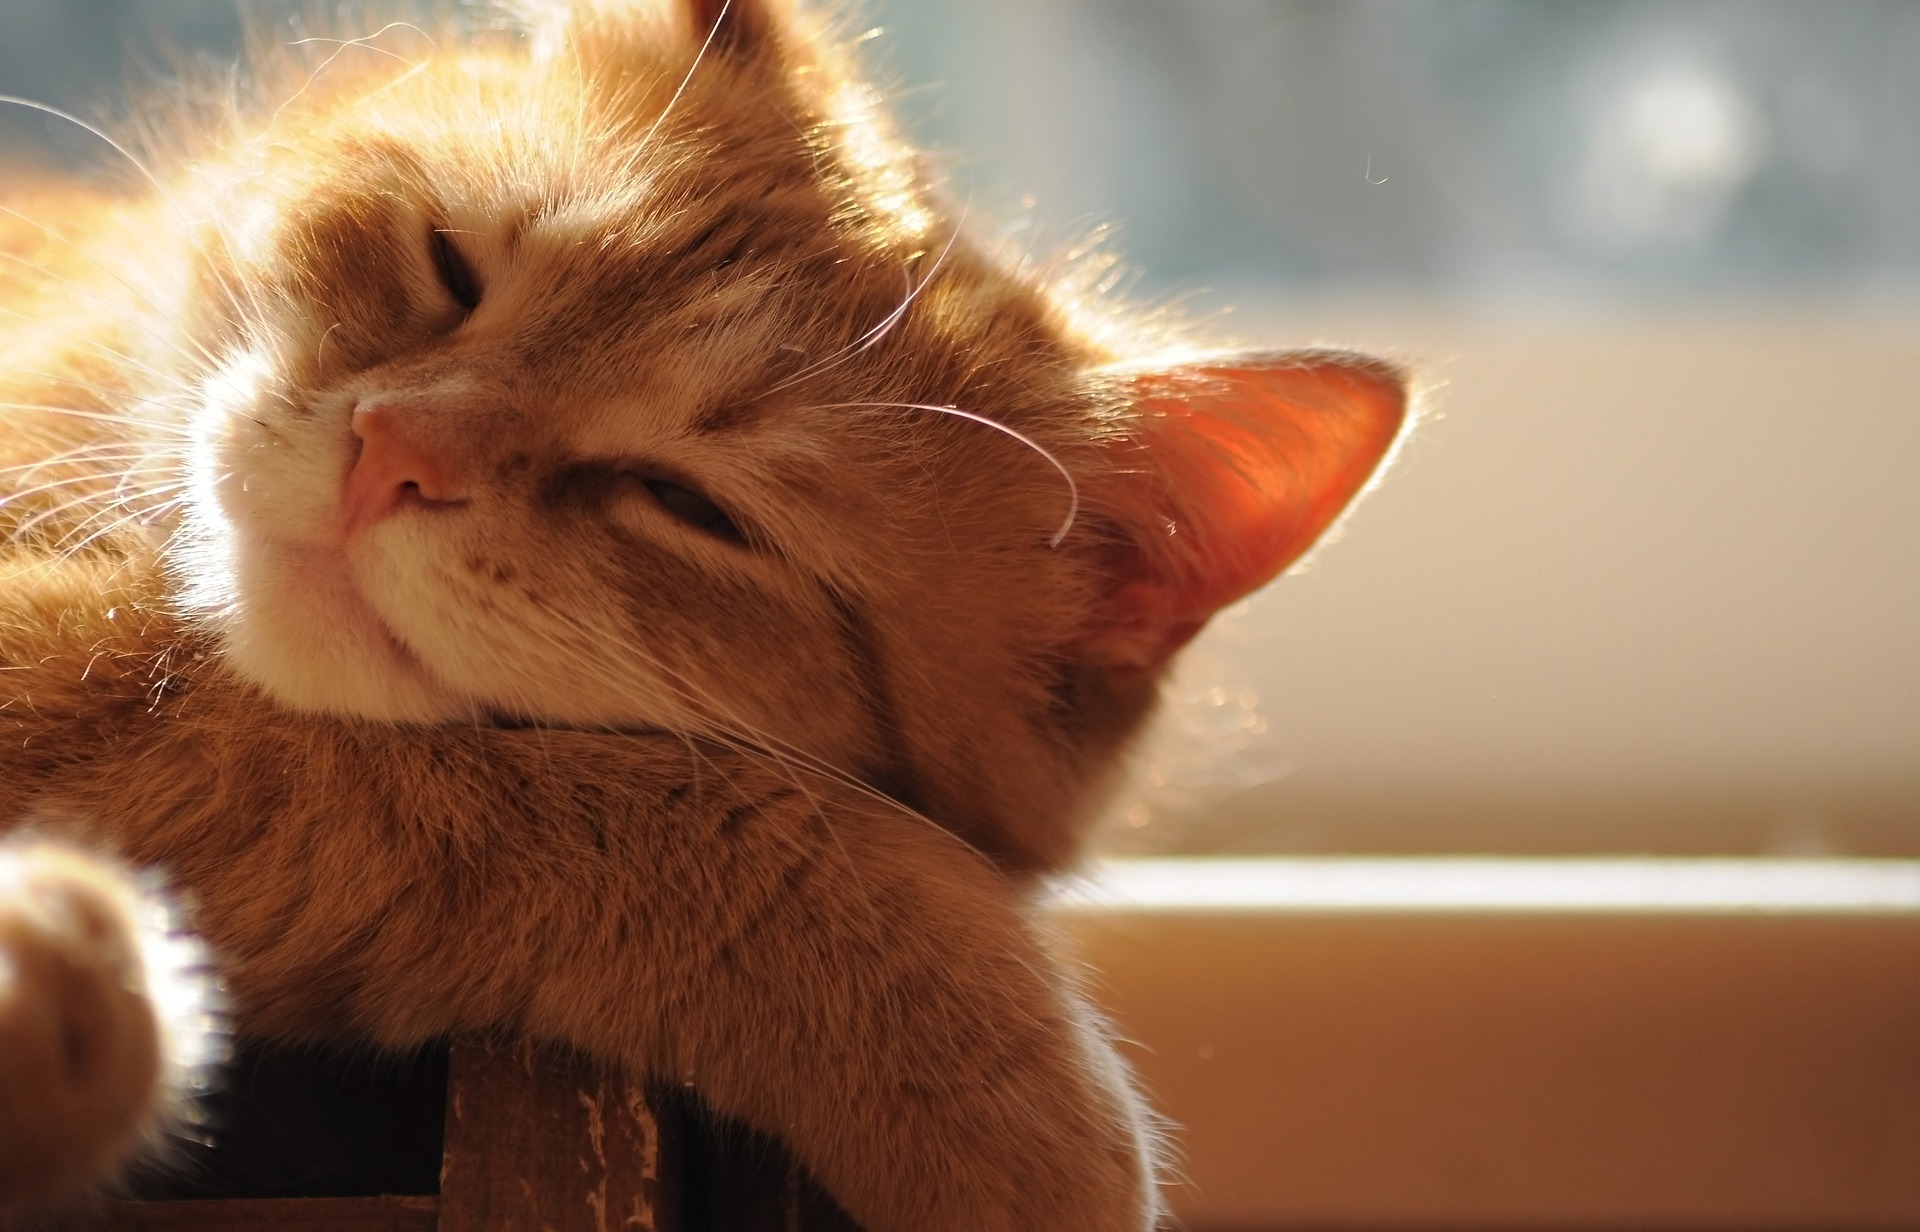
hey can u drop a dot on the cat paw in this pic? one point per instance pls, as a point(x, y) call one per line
point(81, 1049)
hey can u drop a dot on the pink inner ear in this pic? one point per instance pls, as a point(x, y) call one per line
point(1254, 458)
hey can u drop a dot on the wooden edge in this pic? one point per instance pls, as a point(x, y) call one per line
point(383, 1214)
point(539, 1136)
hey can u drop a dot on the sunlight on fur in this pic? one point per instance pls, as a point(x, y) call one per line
point(93, 966)
point(553, 524)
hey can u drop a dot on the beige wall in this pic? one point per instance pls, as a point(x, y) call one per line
point(1649, 570)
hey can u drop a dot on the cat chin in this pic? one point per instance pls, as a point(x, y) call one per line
point(367, 675)
point(306, 636)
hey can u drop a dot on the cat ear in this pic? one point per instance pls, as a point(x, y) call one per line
point(738, 26)
point(1236, 465)
point(603, 29)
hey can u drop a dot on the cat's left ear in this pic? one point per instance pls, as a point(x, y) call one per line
point(612, 31)
point(1230, 469)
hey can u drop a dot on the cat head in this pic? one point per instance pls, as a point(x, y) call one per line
point(626, 375)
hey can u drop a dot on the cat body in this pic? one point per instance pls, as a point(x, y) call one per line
point(560, 534)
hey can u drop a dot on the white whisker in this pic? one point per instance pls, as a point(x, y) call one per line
point(97, 348)
point(698, 59)
point(104, 391)
point(1073, 489)
point(364, 42)
point(76, 121)
point(886, 324)
point(204, 355)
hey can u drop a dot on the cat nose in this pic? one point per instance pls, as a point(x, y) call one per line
point(393, 469)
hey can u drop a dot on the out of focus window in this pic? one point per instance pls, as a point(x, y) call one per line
point(1613, 150)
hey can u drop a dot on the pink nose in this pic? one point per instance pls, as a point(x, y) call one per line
point(393, 470)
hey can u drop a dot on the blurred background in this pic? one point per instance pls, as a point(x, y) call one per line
point(1649, 578)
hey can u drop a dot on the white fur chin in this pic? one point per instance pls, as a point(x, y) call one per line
point(293, 622)
point(315, 643)
point(311, 661)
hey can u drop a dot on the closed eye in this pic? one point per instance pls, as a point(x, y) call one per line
point(456, 274)
point(595, 485)
point(693, 509)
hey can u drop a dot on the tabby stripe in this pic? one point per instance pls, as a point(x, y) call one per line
point(894, 774)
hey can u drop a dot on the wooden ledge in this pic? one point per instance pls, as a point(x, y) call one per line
point(382, 1214)
point(542, 1139)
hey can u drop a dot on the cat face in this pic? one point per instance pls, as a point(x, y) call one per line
point(603, 382)
point(600, 339)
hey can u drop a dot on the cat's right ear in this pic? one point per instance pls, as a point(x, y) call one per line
point(1224, 472)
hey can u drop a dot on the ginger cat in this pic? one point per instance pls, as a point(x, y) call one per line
point(562, 534)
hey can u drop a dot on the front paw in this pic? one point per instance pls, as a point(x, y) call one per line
point(81, 1050)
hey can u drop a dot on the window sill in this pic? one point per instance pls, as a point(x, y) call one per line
point(1522, 1043)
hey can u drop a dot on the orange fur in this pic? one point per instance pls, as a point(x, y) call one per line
point(562, 534)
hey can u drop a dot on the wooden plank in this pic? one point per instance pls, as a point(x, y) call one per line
point(385, 1214)
point(541, 1138)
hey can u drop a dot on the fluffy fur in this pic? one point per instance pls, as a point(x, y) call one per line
point(558, 532)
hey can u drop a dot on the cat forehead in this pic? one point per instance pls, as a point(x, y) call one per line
point(459, 144)
point(496, 183)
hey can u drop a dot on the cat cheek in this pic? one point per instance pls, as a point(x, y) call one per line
point(223, 432)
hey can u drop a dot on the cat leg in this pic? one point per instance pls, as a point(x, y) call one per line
point(871, 993)
point(818, 962)
point(81, 1050)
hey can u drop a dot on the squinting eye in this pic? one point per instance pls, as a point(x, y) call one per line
point(455, 274)
point(693, 509)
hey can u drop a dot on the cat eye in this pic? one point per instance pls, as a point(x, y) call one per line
point(592, 485)
point(692, 509)
point(740, 247)
point(456, 275)
point(732, 255)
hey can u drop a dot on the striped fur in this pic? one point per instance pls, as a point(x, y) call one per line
point(778, 576)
